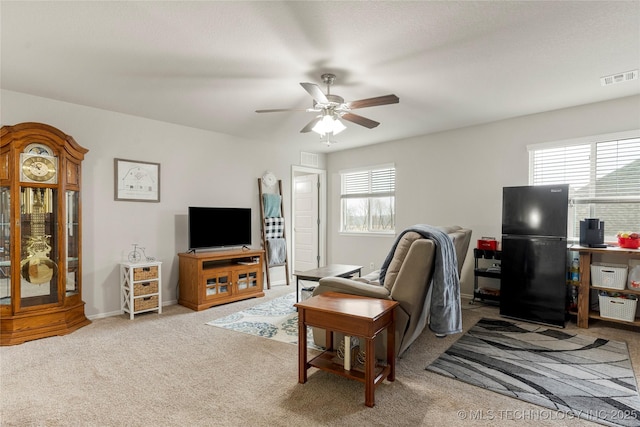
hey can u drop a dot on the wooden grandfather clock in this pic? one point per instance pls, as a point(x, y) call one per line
point(40, 233)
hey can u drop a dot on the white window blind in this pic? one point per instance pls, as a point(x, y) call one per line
point(617, 171)
point(603, 178)
point(371, 182)
point(368, 200)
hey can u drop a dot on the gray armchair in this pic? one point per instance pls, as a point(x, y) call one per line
point(408, 280)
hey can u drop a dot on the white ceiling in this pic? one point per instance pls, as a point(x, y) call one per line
point(211, 64)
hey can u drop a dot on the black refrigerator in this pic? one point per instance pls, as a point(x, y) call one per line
point(534, 253)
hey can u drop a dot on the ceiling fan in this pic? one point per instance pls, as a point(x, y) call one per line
point(332, 107)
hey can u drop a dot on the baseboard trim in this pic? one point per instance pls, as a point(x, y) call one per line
point(466, 296)
point(279, 282)
point(105, 315)
point(120, 312)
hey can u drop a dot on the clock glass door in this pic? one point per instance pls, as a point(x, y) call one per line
point(38, 258)
point(5, 245)
point(73, 237)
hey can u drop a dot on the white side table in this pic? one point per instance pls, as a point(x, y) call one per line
point(140, 287)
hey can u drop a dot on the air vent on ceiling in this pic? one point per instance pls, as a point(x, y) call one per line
point(309, 159)
point(619, 78)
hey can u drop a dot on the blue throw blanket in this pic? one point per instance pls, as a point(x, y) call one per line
point(271, 205)
point(445, 310)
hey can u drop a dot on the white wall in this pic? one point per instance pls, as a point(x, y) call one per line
point(197, 168)
point(452, 177)
point(456, 177)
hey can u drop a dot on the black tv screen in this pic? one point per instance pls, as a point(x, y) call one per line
point(219, 227)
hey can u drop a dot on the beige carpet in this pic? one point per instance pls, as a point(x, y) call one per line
point(174, 370)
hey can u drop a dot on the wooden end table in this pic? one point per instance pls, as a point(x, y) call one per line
point(351, 315)
point(331, 270)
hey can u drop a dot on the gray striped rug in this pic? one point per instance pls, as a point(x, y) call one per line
point(579, 376)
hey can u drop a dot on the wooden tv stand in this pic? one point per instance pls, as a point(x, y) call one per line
point(212, 278)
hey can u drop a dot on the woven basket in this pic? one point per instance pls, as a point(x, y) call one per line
point(145, 288)
point(145, 303)
point(618, 308)
point(612, 276)
point(144, 273)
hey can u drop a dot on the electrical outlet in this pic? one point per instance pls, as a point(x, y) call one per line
point(372, 266)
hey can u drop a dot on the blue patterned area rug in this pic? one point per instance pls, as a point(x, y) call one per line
point(276, 319)
point(580, 376)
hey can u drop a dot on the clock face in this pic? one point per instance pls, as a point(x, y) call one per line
point(39, 168)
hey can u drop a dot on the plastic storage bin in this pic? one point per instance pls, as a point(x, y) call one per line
point(612, 276)
point(617, 308)
point(634, 278)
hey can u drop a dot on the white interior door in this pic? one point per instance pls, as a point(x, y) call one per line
point(306, 228)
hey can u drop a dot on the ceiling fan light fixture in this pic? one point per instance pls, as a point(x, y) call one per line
point(327, 140)
point(328, 125)
point(338, 126)
point(331, 108)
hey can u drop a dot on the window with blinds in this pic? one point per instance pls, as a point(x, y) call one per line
point(368, 200)
point(603, 178)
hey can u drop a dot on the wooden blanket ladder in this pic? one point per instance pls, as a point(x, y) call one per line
point(268, 263)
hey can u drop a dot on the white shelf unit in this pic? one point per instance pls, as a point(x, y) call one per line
point(140, 287)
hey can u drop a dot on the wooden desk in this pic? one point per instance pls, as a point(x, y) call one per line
point(584, 289)
point(351, 315)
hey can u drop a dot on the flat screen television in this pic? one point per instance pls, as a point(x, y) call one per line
point(213, 227)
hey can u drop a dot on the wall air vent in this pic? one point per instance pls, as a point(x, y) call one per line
point(309, 159)
point(619, 78)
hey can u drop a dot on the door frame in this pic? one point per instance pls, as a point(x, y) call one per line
point(322, 211)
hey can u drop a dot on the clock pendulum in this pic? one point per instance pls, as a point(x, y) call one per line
point(37, 267)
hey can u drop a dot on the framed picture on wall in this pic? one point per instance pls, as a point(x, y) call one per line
point(136, 181)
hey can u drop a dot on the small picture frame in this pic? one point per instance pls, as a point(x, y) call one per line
point(136, 181)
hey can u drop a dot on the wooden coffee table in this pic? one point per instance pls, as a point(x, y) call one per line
point(351, 315)
point(331, 270)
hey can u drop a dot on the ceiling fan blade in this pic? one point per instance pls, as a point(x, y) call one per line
point(315, 91)
point(310, 125)
point(362, 121)
point(372, 102)
point(277, 110)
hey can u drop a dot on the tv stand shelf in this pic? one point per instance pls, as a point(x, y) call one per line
point(207, 279)
point(208, 265)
